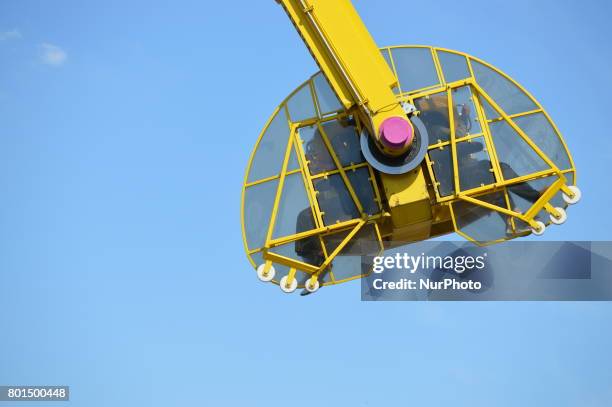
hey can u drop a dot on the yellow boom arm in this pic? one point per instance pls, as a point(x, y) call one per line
point(348, 56)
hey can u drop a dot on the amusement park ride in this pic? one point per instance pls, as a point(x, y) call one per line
point(389, 146)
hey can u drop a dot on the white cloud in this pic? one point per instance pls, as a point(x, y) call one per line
point(10, 35)
point(52, 54)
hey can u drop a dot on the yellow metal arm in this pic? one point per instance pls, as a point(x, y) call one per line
point(348, 56)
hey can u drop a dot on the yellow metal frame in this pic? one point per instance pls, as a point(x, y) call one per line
point(501, 184)
point(295, 143)
point(471, 196)
point(348, 57)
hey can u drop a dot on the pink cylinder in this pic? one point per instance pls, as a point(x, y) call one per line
point(396, 133)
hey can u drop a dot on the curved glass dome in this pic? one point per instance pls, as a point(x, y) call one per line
point(312, 205)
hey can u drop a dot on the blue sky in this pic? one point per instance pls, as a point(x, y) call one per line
point(125, 129)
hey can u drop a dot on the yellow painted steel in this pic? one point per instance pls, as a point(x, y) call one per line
point(546, 196)
point(289, 262)
point(411, 205)
point(552, 210)
point(347, 183)
point(493, 207)
point(313, 232)
point(267, 267)
point(307, 178)
point(291, 276)
point(341, 246)
point(453, 140)
point(349, 58)
point(346, 168)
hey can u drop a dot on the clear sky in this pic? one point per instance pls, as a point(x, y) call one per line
point(125, 128)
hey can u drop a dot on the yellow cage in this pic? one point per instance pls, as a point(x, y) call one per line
point(496, 168)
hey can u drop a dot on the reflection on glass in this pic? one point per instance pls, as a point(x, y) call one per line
point(482, 224)
point(258, 202)
point(270, 152)
point(464, 111)
point(474, 164)
point(415, 68)
point(360, 181)
point(301, 105)
point(516, 157)
point(319, 159)
point(294, 214)
point(506, 94)
point(434, 115)
point(541, 132)
point(334, 200)
point(454, 66)
point(344, 141)
point(443, 169)
point(328, 102)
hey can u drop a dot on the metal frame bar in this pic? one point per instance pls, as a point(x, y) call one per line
point(443, 144)
point(353, 167)
point(336, 160)
point(341, 246)
point(307, 177)
point(499, 176)
point(289, 262)
point(272, 178)
point(453, 141)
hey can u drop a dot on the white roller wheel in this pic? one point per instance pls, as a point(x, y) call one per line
point(562, 217)
point(576, 198)
point(540, 230)
point(291, 288)
point(268, 277)
point(312, 288)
